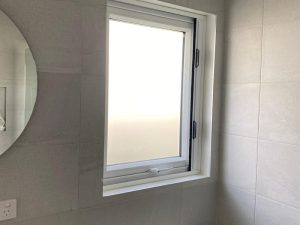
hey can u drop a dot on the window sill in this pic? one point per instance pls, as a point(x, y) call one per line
point(148, 183)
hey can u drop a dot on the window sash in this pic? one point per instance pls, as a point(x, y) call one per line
point(139, 170)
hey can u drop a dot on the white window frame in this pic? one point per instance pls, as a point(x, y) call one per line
point(193, 160)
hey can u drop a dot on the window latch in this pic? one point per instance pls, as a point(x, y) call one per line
point(197, 58)
point(156, 171)
point(194, 131)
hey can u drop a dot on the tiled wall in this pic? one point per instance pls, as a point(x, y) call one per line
point(259, 172)
point(54, 169)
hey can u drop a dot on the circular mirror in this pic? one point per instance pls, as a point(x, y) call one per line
point(18, 83)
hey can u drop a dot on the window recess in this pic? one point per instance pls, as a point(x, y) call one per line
point(155, 93)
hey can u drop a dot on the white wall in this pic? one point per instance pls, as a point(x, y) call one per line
point(261, 127)
point(54, 169)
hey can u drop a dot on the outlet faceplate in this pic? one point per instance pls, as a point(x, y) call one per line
point(8, 209)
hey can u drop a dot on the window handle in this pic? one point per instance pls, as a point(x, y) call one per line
point(156, 171)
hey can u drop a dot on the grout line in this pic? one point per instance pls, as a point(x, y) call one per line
point(237, 135)
point(259, 110)
point(259, 139)
point(278, 202)
point(278, 142)
point(80, 110)
point(262, 82)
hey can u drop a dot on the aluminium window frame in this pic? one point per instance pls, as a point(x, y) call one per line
point(122, 173)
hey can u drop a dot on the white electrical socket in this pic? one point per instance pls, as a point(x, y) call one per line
point(8, 209)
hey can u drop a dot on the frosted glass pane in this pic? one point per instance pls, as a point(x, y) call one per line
point(144, 101)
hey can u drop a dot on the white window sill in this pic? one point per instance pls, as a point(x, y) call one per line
point(148, 183)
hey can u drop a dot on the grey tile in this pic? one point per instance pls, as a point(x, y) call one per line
point(238, 161)
point(240, 109)
point(10, 170)
point(90, 174)
point(64, 218)
point(49, 179)
point(243, 55)
point(278, 172)
point(90, 156)
point(167, 206)
point(92, 109)
point(134, 212)
point(90, 188)
point(280, 109)
point(243, 13)
point(94, 64)
point(93, 29)
point(279, 11)
point(208, 222)
point(235, 207)
point(210, 6)
point(199, 202)
point(281, 52)
point(56, 117)
point(178, 2)
point(91, 3)
point(53, 47)
point(9, 222)
point(271, 212)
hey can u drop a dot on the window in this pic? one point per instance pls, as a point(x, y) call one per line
point(155, 92)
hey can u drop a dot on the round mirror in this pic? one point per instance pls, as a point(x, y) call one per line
point(18, 83)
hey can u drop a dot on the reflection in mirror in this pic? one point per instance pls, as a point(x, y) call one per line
point(18, 83)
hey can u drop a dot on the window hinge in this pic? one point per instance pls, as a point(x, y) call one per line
point(197, 58)
point(194, 129)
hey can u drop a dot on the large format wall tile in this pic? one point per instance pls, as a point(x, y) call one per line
point(211, 6)
point(278, 172)
point(92, 109)
point(280, 110)
point(90, 174)
point(134, 212)
point(53, 35)
point(269, 212)
point(94, 64)
point(90, 188)
point(240, 109)
point(243, 13)
point(93, 29)
point(198, 204)
point(277, 168)
point(56, 117)
point(235, 207)
point(167, 205)
point(281, 48)
point(65, 218)
point(10, 170)
point(49, 179)
point(243, 55)
point(238, 161)
point(278, 11)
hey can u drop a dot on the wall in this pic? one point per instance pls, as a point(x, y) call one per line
point(261, 130)
point(54, 169)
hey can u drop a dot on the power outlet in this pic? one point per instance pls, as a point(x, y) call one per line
point(8, 209)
